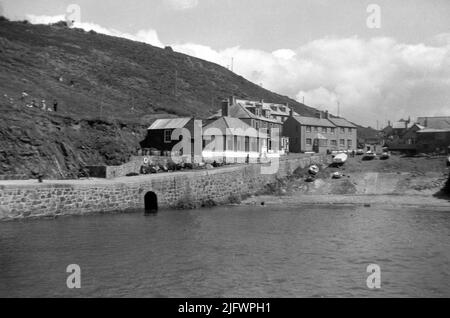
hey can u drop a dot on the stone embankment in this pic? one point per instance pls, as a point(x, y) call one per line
point(28, 198)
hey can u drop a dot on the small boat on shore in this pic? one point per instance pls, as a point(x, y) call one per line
point(359, 152)
point(385, 156)
point(336, 175)
point(369, 156)
point(340, 159)
point(314, 169)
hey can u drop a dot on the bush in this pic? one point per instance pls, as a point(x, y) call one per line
point(234, 199)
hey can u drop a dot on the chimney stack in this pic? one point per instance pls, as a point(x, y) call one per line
point(232, 100)
point(327, 115)
point(291, 112)
point(225, 108)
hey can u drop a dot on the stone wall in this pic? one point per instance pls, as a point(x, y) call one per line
point(19, 199)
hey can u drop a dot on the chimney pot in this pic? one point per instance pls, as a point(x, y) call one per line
point(225, 108)
point(232, 100)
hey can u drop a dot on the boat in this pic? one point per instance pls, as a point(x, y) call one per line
point(385, 156)
point(314, 169)
point(336, 175)
point(340, 158)
point(310, 179)
point(369, 156)
point(359, 152)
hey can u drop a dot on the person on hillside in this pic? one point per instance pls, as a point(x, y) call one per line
point(55, 105)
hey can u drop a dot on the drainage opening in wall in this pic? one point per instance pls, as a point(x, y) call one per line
point(151, 202)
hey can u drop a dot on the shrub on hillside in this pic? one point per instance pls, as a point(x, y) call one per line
point(60, 24)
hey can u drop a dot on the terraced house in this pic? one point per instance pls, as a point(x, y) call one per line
point(319, 134)
point(261, 116)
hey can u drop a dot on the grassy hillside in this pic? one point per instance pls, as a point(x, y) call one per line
point(97, 75)
point(108, 91)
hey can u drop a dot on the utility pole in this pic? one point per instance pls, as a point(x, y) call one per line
point(176, 81)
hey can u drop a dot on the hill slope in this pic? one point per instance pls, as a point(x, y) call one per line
point(108, 91)
point(97, 75)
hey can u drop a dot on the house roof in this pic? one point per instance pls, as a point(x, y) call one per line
point(442, 122)
point(313, 121)
point(239, 110)
point(341, 122)
point(433, 130)
point(169, 123)
point(275, 109)
point(231, 126)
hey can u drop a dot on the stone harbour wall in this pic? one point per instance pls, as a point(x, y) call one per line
point(22, 199)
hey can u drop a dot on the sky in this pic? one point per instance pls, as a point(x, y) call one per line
point(380, 63)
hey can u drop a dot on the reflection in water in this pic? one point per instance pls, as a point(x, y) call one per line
point(230, 252)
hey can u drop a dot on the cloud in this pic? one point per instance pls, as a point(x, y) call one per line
point(375, 79)
point(181, 4)
point(44, 19)
point(372, 79)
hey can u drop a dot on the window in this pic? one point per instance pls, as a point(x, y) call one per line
point(333, 142)
point(316, 129)
point(350, 131)
point(342, 130)
point(342, 142)
point(229, 142)
point(167, 136)
point(324, 130)
point(308, 141)
point(349, 143)
point(308, 129)
point(332, 131)
point(323, 142)
point(247, 144)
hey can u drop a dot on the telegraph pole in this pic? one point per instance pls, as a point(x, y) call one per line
point(176, 81)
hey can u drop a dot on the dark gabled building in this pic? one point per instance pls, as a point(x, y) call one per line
point(159, 134)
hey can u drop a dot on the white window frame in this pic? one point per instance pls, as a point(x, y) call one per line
point(167, 141)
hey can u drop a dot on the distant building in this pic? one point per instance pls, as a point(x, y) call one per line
point(427, 134)
point(435, 136)
point(320, 135)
